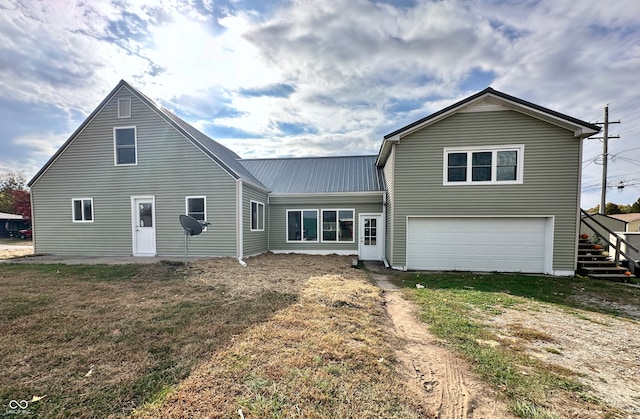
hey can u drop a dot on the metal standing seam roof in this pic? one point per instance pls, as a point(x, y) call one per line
point(318, 174)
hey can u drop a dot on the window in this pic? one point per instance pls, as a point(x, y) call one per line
point(124, 108)
point(483, 165)
point(302, 225)
point(82, 209)
point(257, 216)
point(197, 208)
point(124, 140)
point(337, 225)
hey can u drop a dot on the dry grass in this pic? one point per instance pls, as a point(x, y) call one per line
point(101, 340)
point(326, 356)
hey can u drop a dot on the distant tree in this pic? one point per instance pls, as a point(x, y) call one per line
point(14, 196)
point(612, 208)
point(635, 207)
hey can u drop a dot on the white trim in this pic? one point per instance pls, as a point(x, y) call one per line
point(239, 220)
point(251, 202)
point(73, 210)
point(321, 252)
point(494, 149)
point(186, 206)
point(121, 115)
point(134, 217)
point(337, 210)
point(286, 221)
point(307, 194)
point(135, 145)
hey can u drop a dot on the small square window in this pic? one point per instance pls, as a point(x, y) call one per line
point(197, 208)
point(82, 209)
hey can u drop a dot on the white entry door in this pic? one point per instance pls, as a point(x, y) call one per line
point(371, 236)
point(144, 226)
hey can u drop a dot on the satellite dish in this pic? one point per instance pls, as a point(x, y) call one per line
point(191, 226)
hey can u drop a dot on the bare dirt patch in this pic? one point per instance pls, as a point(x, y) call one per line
point(14, 251)
point(603, 350)
point(442, 381)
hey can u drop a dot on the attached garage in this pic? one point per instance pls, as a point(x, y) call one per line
point(505, 244)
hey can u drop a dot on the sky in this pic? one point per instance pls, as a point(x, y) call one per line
point(295, 78)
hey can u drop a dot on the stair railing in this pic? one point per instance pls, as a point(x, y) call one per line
point(587, 219)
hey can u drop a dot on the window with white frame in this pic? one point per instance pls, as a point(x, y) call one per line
point(125, 145)
point(337, 225)
point(124, 108)
point(483, 165)
point(196, 207)
point(82, 210)
point(302, 225)
point(257, 216)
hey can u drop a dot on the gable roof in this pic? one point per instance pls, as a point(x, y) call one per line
point(493, 97)
point(225, 158)
point(318, 174)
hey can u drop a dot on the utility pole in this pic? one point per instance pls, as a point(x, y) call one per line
point(605, 156)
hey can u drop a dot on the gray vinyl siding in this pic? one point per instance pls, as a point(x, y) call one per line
point(254, 242)
point(169, 168)
point(278, 216)
point(389, 171)
point(551, 176)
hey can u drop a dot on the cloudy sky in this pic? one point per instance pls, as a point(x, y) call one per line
point(299, 78)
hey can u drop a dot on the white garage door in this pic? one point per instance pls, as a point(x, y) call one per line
point(503, 244)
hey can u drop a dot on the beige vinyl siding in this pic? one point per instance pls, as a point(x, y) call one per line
point(169, 167)
point(609, 222)
point(363, 203)
point(254, 242)
point(551, 170)
point(389, 171)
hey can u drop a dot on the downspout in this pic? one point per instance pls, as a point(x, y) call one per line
point(384, 220)
point(239, 223)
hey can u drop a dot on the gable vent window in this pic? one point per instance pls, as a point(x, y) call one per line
point(82, 209)
point(124, 108)
point(483, 165)
point(125, 144)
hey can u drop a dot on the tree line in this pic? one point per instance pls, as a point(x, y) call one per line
point(15, 198)
point(612, 208)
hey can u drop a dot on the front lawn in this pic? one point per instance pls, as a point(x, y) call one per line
point(95, 341)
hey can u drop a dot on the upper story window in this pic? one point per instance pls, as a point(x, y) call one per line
point(124, 108)
point(125, 145)
point(197, 208)
point(302, 225)
point(483, 165)
point(82, 209)
point(337, 225)
point(257, 216)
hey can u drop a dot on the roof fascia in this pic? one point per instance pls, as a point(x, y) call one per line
point(581, 129)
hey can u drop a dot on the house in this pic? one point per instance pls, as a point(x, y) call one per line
point(631, 222)
point(489, 183)
point(10, 224)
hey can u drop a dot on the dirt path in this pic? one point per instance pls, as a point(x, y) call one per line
point(444, 382)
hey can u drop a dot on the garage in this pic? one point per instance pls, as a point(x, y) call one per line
point(504, 244)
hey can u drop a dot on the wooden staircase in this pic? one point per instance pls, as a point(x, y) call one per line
point(593, 263)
